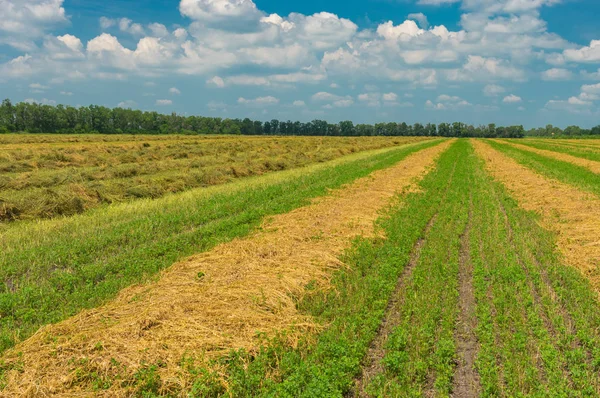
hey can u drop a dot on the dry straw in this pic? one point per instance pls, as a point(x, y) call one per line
point(212, 302)
point(591, 165)
point(573, 214)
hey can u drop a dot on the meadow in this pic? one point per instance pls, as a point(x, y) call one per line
point(365, 267)
point(44, 176)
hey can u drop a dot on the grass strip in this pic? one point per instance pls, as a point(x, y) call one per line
point(421, 350)
point(352, 312)
point(53, 269)
point(517, 355)
point(561, 148)
point(536, 339)
point(555, 169)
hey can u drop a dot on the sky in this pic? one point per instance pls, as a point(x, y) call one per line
point(530, 62)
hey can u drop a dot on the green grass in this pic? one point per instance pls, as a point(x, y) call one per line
point(527, 299)
point(538, 320)
point(352, 312)
point(52, 269)
point(566, 172)
point(420, 351)
point(569, 150)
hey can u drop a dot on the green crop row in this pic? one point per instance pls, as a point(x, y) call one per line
point(566, 172)
point(579, 152)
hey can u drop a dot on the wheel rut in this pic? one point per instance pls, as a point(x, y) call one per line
point(376, 352)
point(466, 379)
point(373, 363)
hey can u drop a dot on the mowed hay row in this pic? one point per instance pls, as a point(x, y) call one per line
point(590, 148)
point(48, 181)
point(591, 165)
point(573, 214)
point(214, 302)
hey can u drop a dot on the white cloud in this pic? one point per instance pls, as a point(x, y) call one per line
point(420, 18)
point(158, 29)
point(127, 25)
point(510, 99)
point(482, 68)
point(436, 2)
point(163, 102)
point(325, 96)
point(43, 101)
point(38, 86)
point(106, 23)
point(299, 103)
point(127, 104)
point(448, 98)
point(371, 99)
point(557, 74)
point(493, 90)
point(590, 53)
point(216, 81)
point(259, 101)
point(591, 88)
point(25, 20)
point(66, 93)
point(343, 103)
point(404, 31)
point(447, 102)
point(390, 97)
point(219, 10)
point(174, 91)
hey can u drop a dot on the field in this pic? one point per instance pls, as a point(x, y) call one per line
point(44, 176)
point(299, 267)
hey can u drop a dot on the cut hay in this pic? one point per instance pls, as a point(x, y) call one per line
point(210, 303)
point(591, 165)
point(573, 214)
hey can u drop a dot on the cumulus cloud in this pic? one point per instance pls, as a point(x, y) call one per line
point(232, 43)
point(127, 104)
point(511, 99)
point(259, 101)
point(557, 74)
point(493, 90)
point(219, 10)
point(445, 103)
point(216, 81)
point(174, 91)
point(163, 102)
point(590, 53)
point(420, 18)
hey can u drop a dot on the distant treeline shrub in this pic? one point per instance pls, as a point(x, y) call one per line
point(38, 118)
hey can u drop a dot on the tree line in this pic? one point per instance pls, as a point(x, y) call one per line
point(40, 118)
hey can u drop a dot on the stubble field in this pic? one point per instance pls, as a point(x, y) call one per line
point(362, 267)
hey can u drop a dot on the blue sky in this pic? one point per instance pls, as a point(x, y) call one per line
point(530, 62)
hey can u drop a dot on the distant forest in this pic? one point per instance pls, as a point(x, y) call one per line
point(38, 118)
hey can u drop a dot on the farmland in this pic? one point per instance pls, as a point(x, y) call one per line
point(44, 176)
point(270, 266)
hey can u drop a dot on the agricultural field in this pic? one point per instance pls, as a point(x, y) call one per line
point(44, 176)
point(299, 267)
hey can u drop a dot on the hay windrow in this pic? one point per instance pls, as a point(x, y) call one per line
point(591, 165)
point(573, 214)
point(212, 302)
